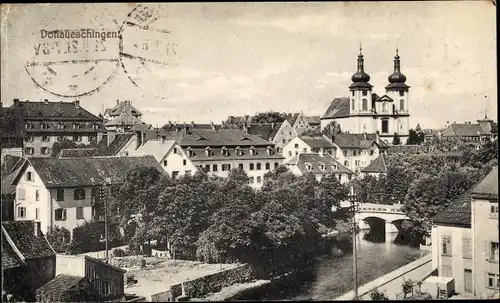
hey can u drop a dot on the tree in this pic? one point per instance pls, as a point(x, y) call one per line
point(407, 287)
point(332, 129)
point(87, 238)
point(59, 238)
point(416, 136)
point(377, 295)
point(58, 146)
point(329, 193)
point(396, 140)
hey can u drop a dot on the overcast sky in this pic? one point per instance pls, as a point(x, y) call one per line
point(237, 59)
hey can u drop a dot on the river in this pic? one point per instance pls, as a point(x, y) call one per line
point(333, 274)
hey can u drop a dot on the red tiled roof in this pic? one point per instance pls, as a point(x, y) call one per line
point(457, 213)
point(313, 120)
point(199, 154)
point(122, 107)
point(9, 258)
point(58, 111)
point(357, 140)
point(339, 108)
point(76, 152)
point(465, 130)
point(221, 137)
point(22, 233)
point(103, 149)
point(10, 169)
point(56, 287)
point(266, 131)
point(488, 187)
point(316, 142)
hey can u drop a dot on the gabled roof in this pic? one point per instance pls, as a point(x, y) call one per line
point(76, 152)
point(383, 98)
point(457, 213)
point(10, 169)
point(316, 142)
point(266, 131)
point(121, 107)
point(103, 149)
point(87, 171)
point(378, 165)
point(126, 118)
point(316, 160)
point(221, 137)
point(9, 258)
point(488, 187)
point(339, 108)
point(313, 120)
point(158, 149)
point(22, 234)
point(53, 110)
point(55, 288)
point(357, 140)
point(291, 118)
point(466, 130)
point(261, 153)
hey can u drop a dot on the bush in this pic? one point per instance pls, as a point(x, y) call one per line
point(118, 252)
point(59, 238)
point(377, 295)
point(87, 238)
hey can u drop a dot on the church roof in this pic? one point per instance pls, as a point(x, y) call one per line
point(339, 108)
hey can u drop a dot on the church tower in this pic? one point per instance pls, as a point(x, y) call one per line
point(360, 102)
point(398, 91)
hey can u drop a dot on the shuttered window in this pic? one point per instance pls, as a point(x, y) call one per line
point(467, 248)
point(446, 246)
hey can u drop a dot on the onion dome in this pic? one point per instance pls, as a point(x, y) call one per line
point(360, 79)
point(397, 79)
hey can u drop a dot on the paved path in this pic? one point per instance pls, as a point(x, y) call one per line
point(391, 282)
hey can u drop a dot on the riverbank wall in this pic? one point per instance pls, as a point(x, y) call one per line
point(391, 283)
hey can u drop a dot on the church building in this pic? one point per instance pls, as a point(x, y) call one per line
point(366, 112)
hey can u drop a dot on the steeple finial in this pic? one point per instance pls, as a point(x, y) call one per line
point(360, 49)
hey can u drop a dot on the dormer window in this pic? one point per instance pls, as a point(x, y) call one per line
point(252, 151)
point(322, 166)
point(224, 151)
point(45, 125)
point(208, 151)
point(60, 125)
point(309, 166)
point(29, 125)
point(95, 126)
point(334, 167)
point(190, 152)
point(270, 150)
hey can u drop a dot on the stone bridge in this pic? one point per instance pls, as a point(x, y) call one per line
point(370, 214)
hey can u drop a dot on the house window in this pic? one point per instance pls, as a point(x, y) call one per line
point(467, 248)
point(207, 168)
point(21, 212)
point(79, 194)
point(352, 93)
point(30, 150)
point(165, 162)
point(259, 179)
point(384, 107)
point(175, 174)
point(60, 194)
point(79, 213)
point(353, 106)
point(296, 145)
point(37, 213)
point(175, 150)
point(365, 104)
point(494, 210)
point(30, 176)
point(29, 125)
point(214, 167)
point(493, 252)
point(346, 163)
point(385, 126)
point(45, 150)
point(37, 195)
point(357, 162)
point(372, 152)
point(276, 164)
point(290, 153)
point(251, 166)
point(345, 153)
point(60, 214)
point(354, 153)
point(284, 141)
point(226, 167)
point(268, 166)
point(304, 150)
point(258, 166)
point(21, 194)
point(446, 246)
point(45, 138)
point(77, 138)
point(493, 280)
point(60, 125)
point(402, 104)
point(188, 172)
point(251, 179)
point(447, 271)
point(240, 166)
point(184, 162)
point(106, 288)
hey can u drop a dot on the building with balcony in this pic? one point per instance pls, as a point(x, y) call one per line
point(366, 112)
point(65, 191)
point(48, 122)
point(217, 151)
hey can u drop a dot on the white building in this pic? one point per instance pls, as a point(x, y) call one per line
point(320, 165)
point(366, 112)
point(307, 144)
point(65, 191)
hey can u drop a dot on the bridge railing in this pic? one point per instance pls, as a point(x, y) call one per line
point(381, 209)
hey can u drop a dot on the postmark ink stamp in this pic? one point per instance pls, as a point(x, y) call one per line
point(73, 62)
point(147, 47)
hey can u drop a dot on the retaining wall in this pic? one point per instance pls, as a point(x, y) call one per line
point(200, 287)
point(102, 253)
point(391, 282)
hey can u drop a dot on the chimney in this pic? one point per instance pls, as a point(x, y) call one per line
point(377, 138)
point(16, 102)
point(163, 139)
point(117, 101)
point(192, 124)
point(46, 101)
point(77, 103)
point(321, 152)
point(245, 128)
point(212, 125)
point(138, 137)
point(364, 135)
point(111, 137)
point(273, 124)
point(99, 137)
point(333, 138)
point(36, 228)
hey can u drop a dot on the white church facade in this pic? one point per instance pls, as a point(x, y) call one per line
point(366, 112)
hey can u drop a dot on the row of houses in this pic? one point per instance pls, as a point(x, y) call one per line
point(31, 270)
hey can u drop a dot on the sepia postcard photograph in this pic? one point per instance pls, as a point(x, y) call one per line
point(249, 151)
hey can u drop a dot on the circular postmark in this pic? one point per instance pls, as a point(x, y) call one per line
point(146, 47)
point(68, 61)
